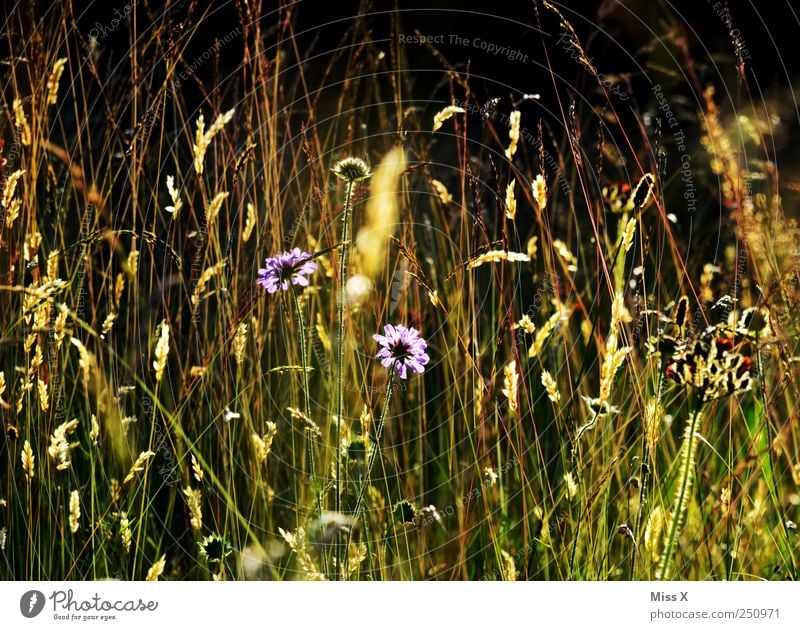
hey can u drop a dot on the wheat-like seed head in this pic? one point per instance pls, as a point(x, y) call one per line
point(511, 386)
point(175, 196)
point(202, 138)
point(94, 432)
point(653, 531)
point(85, 360)
point(514, 119)
point(138, 465)
point(212, 211)
point(157, 569)
point(497, 255)
point(627, 238)
point(508, 569)
point(28, 458)
point(125, 534)
point(21, 122)
point(60, 447)
point(194, 500)
point(551, 387)
point(44, 397)
point(11, 187)
point(441, 191)
point(196, 470)
point(263, 445)
point(445, 114)
point(74, 511)
point(511, 201)
point(208, 274)
point(540, 192)
point(240, 342)
point(161, 351)
point(54, 79)
point(250, 222)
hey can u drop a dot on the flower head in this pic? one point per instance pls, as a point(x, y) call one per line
point(711, 366)
point(286, 267)
point(351, 169)
point(402, 348)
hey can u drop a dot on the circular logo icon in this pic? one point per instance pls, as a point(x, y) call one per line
point(31, 604)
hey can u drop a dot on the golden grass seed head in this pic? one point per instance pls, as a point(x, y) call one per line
point(445, 114)
point(28, 461)
point(511, 201)
point(74, 511)
point(514, 119)
point(155, 571)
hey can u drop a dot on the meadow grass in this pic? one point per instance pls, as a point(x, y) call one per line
point(166, 417)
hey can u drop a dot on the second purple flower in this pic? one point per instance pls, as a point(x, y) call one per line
point(286, 267)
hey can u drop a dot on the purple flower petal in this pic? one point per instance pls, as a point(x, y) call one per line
point(402, 348)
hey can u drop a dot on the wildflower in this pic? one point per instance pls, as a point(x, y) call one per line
point(754, 323)
point(214, 548)
point(229, 415)
point(711, 367)
point(402, 348)
point(286, 267)
point(526, 324)
point(599, 408)
point(351, 169)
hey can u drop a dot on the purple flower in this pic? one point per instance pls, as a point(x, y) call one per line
point(286, 267)
point(403, 348)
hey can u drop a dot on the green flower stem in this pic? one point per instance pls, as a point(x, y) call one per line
point(340, 296)
point(306, 394)
point(374, 452)
point(687, 457)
